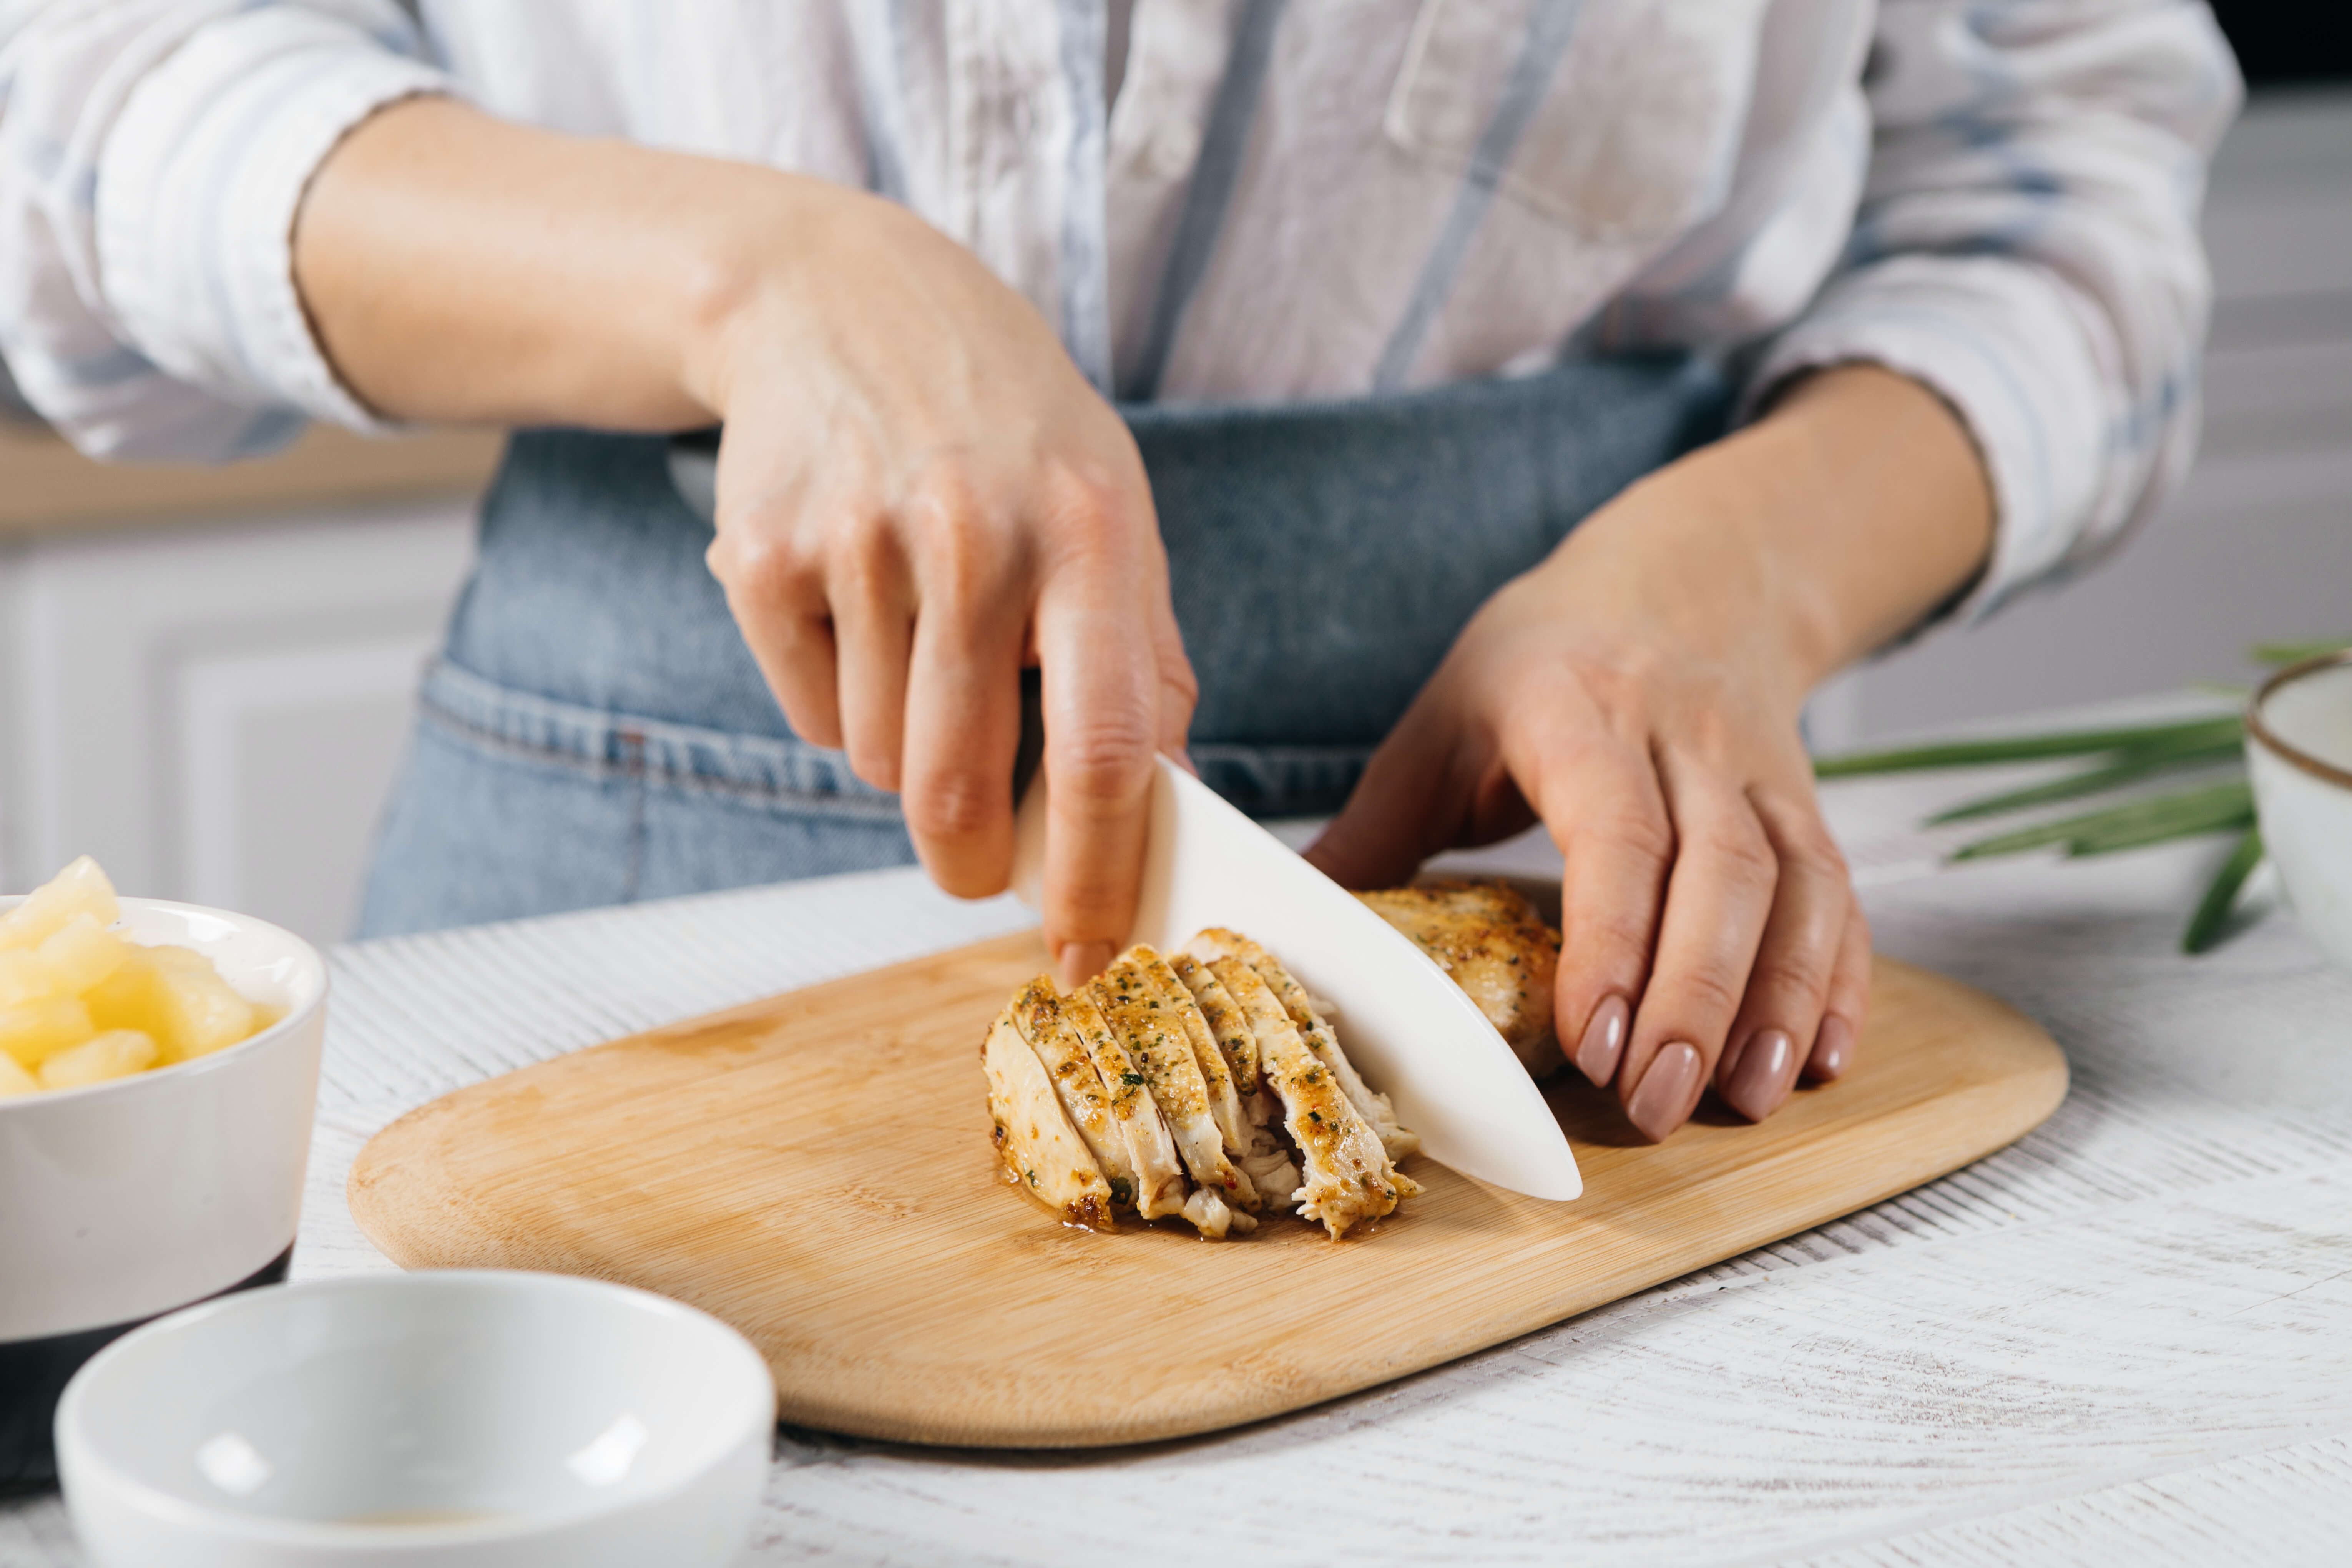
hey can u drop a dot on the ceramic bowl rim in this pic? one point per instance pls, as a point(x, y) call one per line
point(234, 1524)
point(314, 966)
point(2286, 752)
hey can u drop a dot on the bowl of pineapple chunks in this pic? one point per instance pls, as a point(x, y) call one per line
point(159, 1063)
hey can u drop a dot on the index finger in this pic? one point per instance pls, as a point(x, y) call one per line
point(1102, 701)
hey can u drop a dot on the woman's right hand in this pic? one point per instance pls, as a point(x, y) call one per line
point(919, 494)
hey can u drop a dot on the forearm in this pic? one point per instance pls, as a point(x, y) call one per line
point(1850, 510)
point(458, 267)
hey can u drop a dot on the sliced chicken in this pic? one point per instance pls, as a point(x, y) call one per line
point(1159, 1173)
point(1216, 1073)
point(1489, 938)
point(1231, 1031)
point(1149, 1025)
point(1043, 1154)
point(1037, 1014)
point(1348, 1175)
point(1217, 943)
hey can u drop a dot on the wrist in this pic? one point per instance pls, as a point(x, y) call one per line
point(768, 267)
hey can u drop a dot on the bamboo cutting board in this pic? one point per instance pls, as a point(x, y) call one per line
point(816, 1169)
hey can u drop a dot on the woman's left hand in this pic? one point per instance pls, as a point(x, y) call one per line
point(1640, 692)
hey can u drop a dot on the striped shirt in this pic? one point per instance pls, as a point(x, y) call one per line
point(1310, 199)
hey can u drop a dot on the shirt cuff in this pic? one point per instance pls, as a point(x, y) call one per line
point(198, 192)
point(1999, 340)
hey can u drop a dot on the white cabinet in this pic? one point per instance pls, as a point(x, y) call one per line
point(216, 712)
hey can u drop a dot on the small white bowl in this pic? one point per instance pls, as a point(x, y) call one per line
point(2299, 757)
point(464, 1418)
point(126, 1199)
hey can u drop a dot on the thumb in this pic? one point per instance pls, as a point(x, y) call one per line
point(1409, 804)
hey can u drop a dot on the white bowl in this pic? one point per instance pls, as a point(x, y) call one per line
point(462, 1418)
point(131, 1198)
point(2299, 756)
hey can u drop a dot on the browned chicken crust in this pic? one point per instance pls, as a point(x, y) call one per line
point(1491, 940)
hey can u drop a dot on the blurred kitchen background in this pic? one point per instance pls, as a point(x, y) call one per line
point(206, 675)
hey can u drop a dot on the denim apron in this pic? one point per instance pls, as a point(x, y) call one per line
point(595, 732)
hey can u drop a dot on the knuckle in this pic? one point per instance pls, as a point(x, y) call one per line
point(1810, 851)
point(1790, 975)
point(1629, 830)
point(1106, 761)
point(951, 805)
point(1608, 938)
point(1741, 854)
point(1710, 992)
point(760, 564)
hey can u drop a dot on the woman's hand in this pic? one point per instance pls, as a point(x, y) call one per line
point(1640, 692)
point(918, 493)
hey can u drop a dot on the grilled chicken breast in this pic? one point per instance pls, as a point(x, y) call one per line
point(1153, 1024)
point(1226, 1024)
point(1217, 943)
point(1159, 1173)
point(1042, 1152)
point(1495, 946)
point(1217, 1072)
point(1347, 1176)
point(1037, 1014)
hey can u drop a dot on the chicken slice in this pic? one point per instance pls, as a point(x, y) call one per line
point(1489, 938)
point(1155, 1037)
point(1225, 1020)
point(1037, 1014)
point(1216, 942)
point(1214, 1218)
point(1043, 1154)
point(1159, 1173)
point(1216, 1073)
point(1347, 1175)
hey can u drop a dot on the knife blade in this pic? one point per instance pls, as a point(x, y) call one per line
point(1415, 1035)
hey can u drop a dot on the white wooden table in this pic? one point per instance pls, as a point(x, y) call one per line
point(2126, 1339)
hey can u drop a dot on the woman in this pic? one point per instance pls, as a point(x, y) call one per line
point(1391, 295)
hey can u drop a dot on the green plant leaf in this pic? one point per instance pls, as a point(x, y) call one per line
point(2130, 767)
point(2031, 748)
point(2150, 821)
point(2213, 910)
point(2279, 653)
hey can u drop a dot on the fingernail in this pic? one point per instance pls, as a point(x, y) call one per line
point(1766, 1071)
point(1832, 1048)
point(1668, 1092)
point(1082, 960)
point(1604, 1040)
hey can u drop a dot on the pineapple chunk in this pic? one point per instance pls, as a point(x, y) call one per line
point(117, 1053)
point(195, 1011)
point(81, 953)
point(15, 1079)
point(23, 978)
point(81, 888)
point(38, 1030)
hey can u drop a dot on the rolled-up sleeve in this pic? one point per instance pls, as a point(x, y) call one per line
point(152, 155)
point(2027, 246)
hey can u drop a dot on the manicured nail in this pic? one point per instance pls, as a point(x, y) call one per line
point(1668, 1092)
point(1832, 1048)
point(1766, 1071)
point(1082, 960)
point(1604, 1040)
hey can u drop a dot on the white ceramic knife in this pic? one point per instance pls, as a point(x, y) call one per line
point(1414, 1034)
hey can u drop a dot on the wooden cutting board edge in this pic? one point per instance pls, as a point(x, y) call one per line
point(1893, 1152)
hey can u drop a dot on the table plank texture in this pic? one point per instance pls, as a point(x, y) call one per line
point(2126, 1338)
